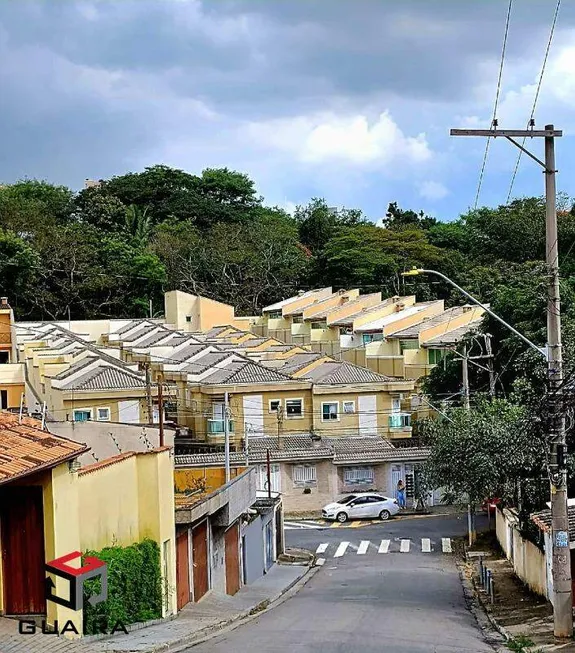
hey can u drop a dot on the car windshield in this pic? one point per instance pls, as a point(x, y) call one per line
point(346, 500)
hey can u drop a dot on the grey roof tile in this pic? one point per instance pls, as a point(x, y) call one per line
point(342, 372)
point(245, 371)
point(106, 378)
point(414, 330)
point(454, 336)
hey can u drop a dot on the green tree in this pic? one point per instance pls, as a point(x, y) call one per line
point(398, 219)
point(490, 451)
point(19, 264)
point(98, 207)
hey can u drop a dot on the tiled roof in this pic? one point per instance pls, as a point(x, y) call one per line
point(76, 367)
point(381, 322)
point(132, 324)
point(106, 378)
point(205, 362)
point(26, 449)
point(253, 342)
point(359, 302)
point(186, 352)
point(213, 333)
point(414, 330)
point(278, 305)
point(452, 337)
point(348, 319)
point(88, 469)
point(245, 372)
point(342, 450)
point(542, 519)
point(336, 372)
point(295, 362)
point(154, 338)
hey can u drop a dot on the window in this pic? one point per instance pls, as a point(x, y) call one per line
point(294, 407)
point(435, 356)
point(400, 421)
point(275, 478)
point(275, 405)
point(345, 331)
point(304, 475)
point(318, 325)
point(82, 415)
point(395, 405)
point(371, 337)
point(329, 411)
point(188, 318)
point(349, 406)
point(275, 315)
point(358, 475)
point(4, 357)
point(412, 343)
point(103, 414)
point(297, 319)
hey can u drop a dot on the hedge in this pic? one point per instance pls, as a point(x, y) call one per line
point(134, 587)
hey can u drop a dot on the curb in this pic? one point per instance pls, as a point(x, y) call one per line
point(478, 609)
point(245, 617)
point(201, 636)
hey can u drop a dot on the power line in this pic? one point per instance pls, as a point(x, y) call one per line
point(530, 122)
point(495, 104)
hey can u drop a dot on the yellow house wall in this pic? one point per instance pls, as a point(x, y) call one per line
point(298, 303)
point(385, 310)
point(14, 393)
point(451, 325)
point(213, 477)
point(324, 335)
point(367, 301)
point(12, 380)
point(331, 302)
point(408, 320)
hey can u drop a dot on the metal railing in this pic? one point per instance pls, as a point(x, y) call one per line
point(216, 426)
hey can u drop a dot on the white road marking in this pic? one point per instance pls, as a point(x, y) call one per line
point(322, 548)
point(320, 562)
point(363, 547)
point(446, 544)
point(425, 545)
point(384, 546)
point(404, 546)
point(341, 549)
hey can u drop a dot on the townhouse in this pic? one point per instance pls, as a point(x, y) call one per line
point(11, 374)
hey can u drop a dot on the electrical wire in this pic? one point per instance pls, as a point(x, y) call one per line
point(535, 99)
point(495, 105)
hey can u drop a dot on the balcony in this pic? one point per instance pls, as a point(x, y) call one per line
point(400, 422)
point(217, 426)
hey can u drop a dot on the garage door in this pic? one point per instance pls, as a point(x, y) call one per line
point(182, 569)
point(232, 561)
point(200, 560)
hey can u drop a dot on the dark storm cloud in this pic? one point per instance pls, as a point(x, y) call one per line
point(86, 85)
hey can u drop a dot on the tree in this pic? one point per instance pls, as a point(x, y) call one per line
point(19, 264)
point(138, 225)
point(98, 207)
point(398, 219)
point(490, 451)
point(30, 206)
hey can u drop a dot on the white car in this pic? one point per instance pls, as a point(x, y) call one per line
point(365, 505)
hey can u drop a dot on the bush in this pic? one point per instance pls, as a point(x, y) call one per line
point(134, 587)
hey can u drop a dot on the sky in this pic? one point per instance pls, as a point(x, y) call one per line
point(351, 100)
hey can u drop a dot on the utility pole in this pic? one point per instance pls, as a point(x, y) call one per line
point(489, 357)
point(161, 408)
point(149, 403)
point(465, 379)
point(561, 566)
point(227, 435)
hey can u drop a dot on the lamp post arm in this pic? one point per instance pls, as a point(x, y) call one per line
point(540, 350)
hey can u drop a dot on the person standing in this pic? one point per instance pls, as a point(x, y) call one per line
point(400, 494)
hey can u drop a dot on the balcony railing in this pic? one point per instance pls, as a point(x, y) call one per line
point(216, 426)
point(399, 421)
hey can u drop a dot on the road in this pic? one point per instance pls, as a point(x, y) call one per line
point(371, 597)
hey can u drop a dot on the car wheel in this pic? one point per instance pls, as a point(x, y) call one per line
point(341, 517)
point(384, 515)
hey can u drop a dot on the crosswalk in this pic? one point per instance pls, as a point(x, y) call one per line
point(403, 545)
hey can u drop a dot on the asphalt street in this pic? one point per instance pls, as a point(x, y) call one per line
point(406, 600)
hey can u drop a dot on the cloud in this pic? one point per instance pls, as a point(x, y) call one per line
point(352, 140)
point(433, 190)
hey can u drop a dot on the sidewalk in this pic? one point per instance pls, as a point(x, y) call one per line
point(408, 512)
point(517, 612)
point(194, 621)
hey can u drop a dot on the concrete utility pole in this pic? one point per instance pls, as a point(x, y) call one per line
point(465, 379)
point(562, 591)
point(489, 357)
point(149, 404)
point(161, 407)
point(227, 435)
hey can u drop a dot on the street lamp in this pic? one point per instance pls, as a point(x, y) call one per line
point(415, 271)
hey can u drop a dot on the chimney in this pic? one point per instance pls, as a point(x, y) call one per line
point(4, 302)
point(467, 308)
point(399, 307)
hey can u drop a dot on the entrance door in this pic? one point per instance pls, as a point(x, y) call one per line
point(232, 561)
point(269, 545)
point(182, 569)
point(22, 533)
point(200, 560)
